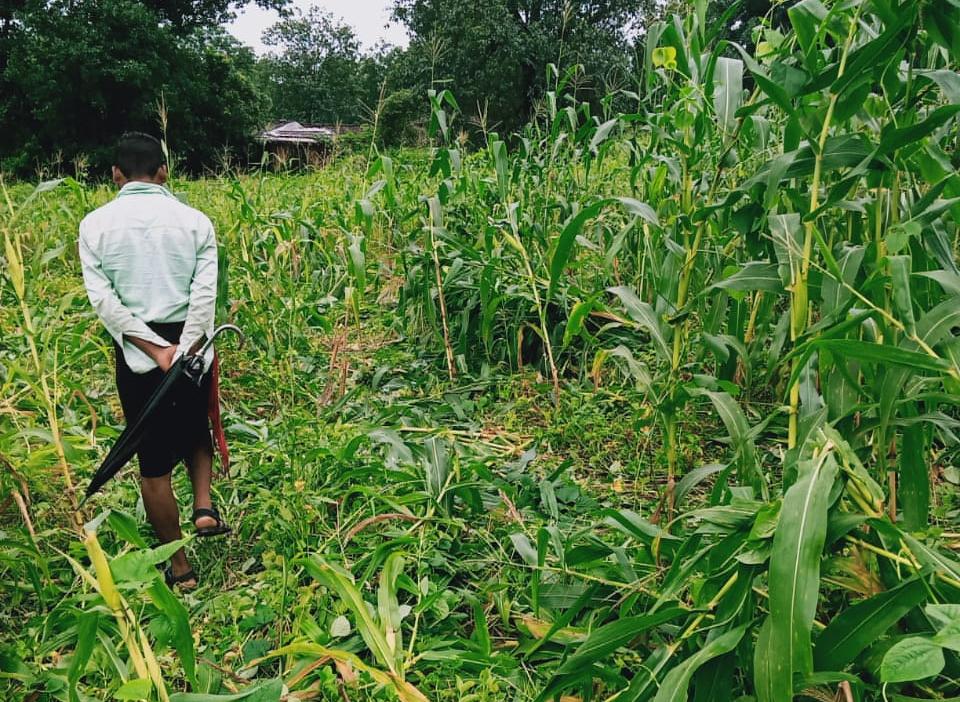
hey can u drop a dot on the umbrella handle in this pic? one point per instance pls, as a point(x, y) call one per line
point(217, 332)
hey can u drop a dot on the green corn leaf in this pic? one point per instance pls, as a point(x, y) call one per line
point(87, 624)
point(860, 625)
point(771, 672)
point(948, 280)
point(341, 582)
point(914, 484)
point(576, 318)
point(755, 275)
point(770, 87)
point(675, 683)
point(643, 314)
point(179, 618)
point(915, 658)
point(948, 81)
point(868, 352)
point(932, 328)
point(565, 243)
point(138, 566)
point(269, 691)
point(835, 292)
point(807, 17)
point(601, 134)
point(728, 89)
point(602, 642)
point(388, 607)
point(795, 565)
point(902, 300)
point(639, 209)
point(893, 138)
point(136, 689)
point(737, 426)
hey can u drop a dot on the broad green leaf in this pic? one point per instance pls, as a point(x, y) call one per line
point(643, 314)
point(947, 80)
point(948, 280)
point(836, 293)
point(264, 692)
point(639, 209)
point(915, 658)
point(933, 327)
point(728, 88)
point(575, 320)
point(772, 679)
point(946, 618)
point(139, 566)
point(807, 18)
point(795, 564)
point(863, 623)
point(893, 138)
point(868, 352)
point(914, 484)
point(609, 637)
point(341, 582)
point(389, 609)
point(126, 528)
point(601, 134)
point(87, 624)
point(754, 275)
point(179, 618)
point(136, 689)
point(738, 428)
point(521, 542)
point(675, 684)
point(565, 243)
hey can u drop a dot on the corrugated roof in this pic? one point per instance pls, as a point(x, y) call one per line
point(296, 133)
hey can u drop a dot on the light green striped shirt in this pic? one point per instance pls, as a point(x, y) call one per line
point(147, 257)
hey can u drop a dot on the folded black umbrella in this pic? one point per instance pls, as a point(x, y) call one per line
point(187, 369)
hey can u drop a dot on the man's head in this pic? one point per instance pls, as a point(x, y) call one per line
point(140, 157)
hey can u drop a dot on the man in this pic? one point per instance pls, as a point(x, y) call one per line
point(150, 268)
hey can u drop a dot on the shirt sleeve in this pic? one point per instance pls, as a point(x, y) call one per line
point(203, 291)
point(118, 319)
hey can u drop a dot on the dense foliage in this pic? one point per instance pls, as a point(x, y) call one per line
point(660, 404)
point(76, 75)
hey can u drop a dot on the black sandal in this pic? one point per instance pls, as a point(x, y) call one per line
point(173, 580)
point(217, 529)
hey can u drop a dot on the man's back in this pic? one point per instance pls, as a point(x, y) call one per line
point(149, 259)
point(147, 243)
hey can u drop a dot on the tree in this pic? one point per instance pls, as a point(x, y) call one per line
point(493, 55)
point(314, 73)
point(77, 74)
point(186, 16)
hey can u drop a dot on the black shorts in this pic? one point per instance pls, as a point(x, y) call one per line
point(179, 427)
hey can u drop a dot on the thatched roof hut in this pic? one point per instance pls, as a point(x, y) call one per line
point(290, 142)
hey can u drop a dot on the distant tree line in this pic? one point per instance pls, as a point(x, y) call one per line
point(74, 74)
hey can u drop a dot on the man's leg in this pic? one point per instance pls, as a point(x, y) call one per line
point(164, 515)
point(200, 467)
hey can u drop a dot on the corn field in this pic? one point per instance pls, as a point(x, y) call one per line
point(654, 400)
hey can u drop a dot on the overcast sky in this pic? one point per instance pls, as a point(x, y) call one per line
point(369, 18)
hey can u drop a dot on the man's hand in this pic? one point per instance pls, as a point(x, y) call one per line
point(165, 357)
point(161, 355)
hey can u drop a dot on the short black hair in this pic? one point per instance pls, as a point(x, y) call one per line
point(139, 155)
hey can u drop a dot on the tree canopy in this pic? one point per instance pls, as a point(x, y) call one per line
point(74, 74)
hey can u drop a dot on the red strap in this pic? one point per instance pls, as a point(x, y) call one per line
point(216, 423)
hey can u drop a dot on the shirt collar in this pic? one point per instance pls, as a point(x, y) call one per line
point(138, 187)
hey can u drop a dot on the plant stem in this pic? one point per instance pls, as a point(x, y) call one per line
point(800, 304)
